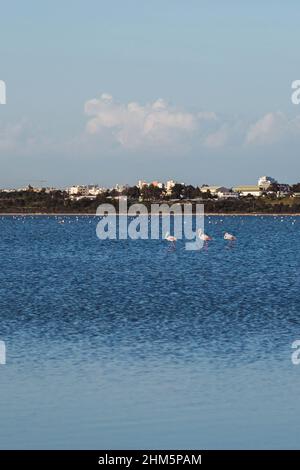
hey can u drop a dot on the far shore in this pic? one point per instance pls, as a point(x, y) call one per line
point(87, 214)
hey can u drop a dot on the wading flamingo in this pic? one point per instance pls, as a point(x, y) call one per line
point(229, 236)
point(203, 236)
point(171, 239)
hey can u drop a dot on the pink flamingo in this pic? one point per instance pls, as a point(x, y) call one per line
point(171, 239)
point(203, 236)
point(229, 236)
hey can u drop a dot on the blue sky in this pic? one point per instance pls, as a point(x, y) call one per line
point(112, 91)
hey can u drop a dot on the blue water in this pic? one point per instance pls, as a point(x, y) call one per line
point(127, 344)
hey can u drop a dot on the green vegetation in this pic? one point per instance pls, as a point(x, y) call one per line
point(30, 201)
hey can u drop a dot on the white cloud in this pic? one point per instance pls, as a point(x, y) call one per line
point(207, 116)
point(133, 125)
point(219, 138)
point(23, 138)
point(157, 125)
point(268, 129)
point(15, 136)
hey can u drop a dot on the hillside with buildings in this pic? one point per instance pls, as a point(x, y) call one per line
point(267, 196)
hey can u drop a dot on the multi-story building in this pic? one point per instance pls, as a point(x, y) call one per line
point(94, 190)
point(85, 190)
point(169, 186)
point(74, 190)
point(264, 182)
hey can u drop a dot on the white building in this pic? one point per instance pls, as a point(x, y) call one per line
point(220, 191)
point(94, 190)
point(255, 191)
point(85, 190)
point(8, 190)
point(74, 190)
point(121, 187)
point(226, 193)
point(212, 189)
point(141, 184)
point(169, 186)
point(265, 182)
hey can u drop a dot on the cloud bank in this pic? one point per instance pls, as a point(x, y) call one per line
point(268, 129)
point(133, 125)
point(158, 126)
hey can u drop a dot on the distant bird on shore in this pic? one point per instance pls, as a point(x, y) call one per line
point(229, 236)
point(203, 236)
point(171, 239)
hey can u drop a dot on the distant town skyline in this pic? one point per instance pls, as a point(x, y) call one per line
point(140, 181)
point(262, 182)
point(125, 90)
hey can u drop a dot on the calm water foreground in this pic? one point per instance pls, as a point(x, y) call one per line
point(125, 344)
